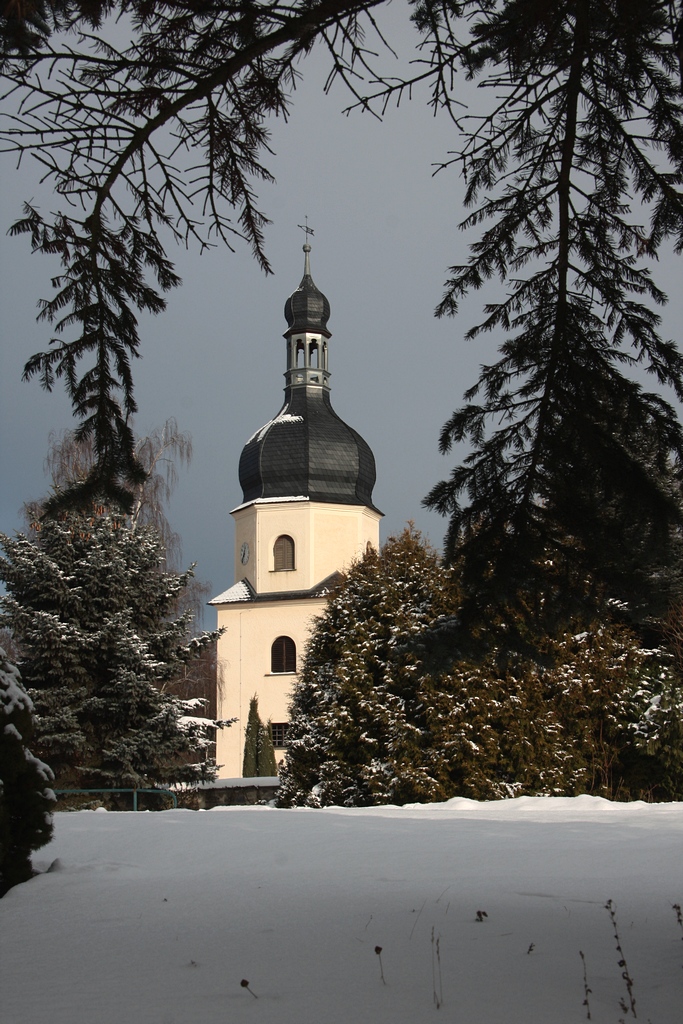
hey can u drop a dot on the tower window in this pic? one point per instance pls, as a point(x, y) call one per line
point(283, 655)
point(283, 553)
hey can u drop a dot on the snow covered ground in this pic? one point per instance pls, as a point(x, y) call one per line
point(157, 918)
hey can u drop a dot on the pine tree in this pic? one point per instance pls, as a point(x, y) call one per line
point(25, 798)
point(585, 116)
point(571, 490)
point(381, 715)
point(662, 730)
point(585, 719)
point(259, 753)
point(94, 612)
point(358, 733)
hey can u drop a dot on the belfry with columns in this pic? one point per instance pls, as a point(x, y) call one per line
point(307, 512)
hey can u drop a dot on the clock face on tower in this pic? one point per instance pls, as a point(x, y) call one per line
point(244, 553)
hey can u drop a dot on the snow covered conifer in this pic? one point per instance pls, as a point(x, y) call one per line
point(572, 721)
point(378, 718)
point(25, 798)
point(94, 612)
point(359, 729)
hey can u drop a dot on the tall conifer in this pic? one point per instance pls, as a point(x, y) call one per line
point(380, 716)
point(569, 497)
point(359, 730)
point(94, 612)
point(26, 801)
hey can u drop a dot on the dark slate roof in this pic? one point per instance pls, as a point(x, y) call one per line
point(307, 309)
point(308, 451)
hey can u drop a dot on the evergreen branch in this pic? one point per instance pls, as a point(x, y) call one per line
point(103, 111)
point(556, 164)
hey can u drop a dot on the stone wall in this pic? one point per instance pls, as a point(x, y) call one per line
point(227, 796)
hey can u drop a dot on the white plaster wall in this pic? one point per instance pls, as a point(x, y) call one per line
point(244, 667)
point(327, 538)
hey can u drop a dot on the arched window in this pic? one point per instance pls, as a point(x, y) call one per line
point(283, 655)
point(283, 553)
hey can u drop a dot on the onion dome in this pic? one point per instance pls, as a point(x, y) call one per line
point(307, 452)
point(307, 309)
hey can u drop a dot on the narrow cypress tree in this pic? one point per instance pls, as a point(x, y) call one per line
point(250, 760)
point(267, 765)
point(259, 753)
point(25, 799)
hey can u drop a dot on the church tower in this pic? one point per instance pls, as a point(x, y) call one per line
point(307, 512)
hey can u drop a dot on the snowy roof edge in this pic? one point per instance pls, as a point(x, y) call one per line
point(243, 591)
point(269, 501)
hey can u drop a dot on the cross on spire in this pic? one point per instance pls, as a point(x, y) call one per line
point(307, 231)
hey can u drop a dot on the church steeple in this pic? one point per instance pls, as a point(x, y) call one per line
point(306, 515)
point(307, 451)
point(307, 312)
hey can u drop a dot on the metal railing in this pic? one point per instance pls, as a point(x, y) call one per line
point(163, 792)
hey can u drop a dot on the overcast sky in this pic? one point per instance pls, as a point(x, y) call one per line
point(386, 232)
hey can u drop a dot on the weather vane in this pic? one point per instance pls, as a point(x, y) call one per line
point(307, 231)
